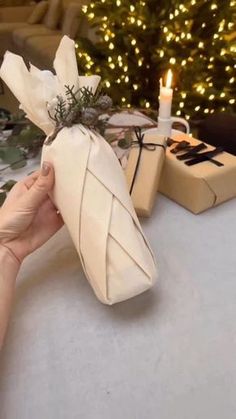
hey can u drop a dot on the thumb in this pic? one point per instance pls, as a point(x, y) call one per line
point(41, 187)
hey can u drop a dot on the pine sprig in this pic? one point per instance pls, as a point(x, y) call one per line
point(79, 107)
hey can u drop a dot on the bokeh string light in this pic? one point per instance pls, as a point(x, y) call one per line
point(139, 40)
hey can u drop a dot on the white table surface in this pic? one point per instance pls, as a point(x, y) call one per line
point(168, 354)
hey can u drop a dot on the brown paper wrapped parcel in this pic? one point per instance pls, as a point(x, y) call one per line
point(145, 182)
point(90, 188)
point(200, 186)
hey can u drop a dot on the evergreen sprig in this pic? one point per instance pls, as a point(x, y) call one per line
point(79, 107)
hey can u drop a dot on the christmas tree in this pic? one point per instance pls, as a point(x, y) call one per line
point(138, 41)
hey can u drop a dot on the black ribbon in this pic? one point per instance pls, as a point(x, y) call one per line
point(192, 155)
point(194, 151)
point(147, 146)
point(201, 157)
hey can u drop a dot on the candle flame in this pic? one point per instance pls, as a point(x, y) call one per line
point(169, 79)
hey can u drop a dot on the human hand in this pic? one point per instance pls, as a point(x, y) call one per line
point(28, 218)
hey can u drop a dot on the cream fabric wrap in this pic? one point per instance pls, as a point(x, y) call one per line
point(90, 188)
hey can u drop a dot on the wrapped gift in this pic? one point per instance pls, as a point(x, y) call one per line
point(201, 185)
point(143, 169)
point(90, 189)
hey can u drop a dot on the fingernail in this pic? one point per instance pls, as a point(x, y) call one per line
point(45, 169)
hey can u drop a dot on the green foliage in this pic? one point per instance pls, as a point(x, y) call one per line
point(25, 142)
point(138, 42)
point(79, 107)
point(5, 189)
point(124, 143)
point(8, 185)
point(3, 196)
point(27, 137)
point(10, 155)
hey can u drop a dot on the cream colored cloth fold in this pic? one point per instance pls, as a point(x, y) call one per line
point(90, 188)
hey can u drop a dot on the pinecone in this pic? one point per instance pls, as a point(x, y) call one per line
point(104, 102)
point(89, 116)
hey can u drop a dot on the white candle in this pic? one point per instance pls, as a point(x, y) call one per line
point(166, 95)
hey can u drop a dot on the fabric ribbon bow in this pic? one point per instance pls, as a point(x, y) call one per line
point(147, 146)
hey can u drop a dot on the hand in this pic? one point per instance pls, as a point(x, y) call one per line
point(28, 217)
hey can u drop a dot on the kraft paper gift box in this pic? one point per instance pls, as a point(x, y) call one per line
point(90, 190)
point(201, 186)
point(143, 171)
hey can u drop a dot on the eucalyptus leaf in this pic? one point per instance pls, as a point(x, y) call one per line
point(110, 138)
point(13, 140)
point(8, 185)
point(11, 155)
point(18, 164)
point(3, 196)
point(124, 143)
point(29, 137)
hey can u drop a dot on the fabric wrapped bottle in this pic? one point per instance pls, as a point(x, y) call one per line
point(90, 189)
